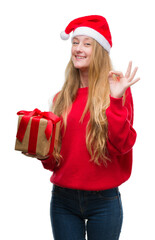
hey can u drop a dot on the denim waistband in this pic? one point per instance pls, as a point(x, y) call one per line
point(70, 190)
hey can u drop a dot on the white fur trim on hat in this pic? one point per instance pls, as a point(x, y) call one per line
point(94, 34)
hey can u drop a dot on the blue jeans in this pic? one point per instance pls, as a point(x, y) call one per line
point(77, 212)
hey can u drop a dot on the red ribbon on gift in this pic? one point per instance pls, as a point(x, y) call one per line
point(36, 115)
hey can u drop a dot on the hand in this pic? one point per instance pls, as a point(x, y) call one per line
point(119, 83)
point(36, 156)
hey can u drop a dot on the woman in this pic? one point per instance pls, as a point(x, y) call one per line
point(94, 155)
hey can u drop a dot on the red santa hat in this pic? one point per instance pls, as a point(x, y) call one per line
point(94, 26)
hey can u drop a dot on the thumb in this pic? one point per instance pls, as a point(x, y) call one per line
point(110, 74)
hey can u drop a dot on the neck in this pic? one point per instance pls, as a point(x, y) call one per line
point(84, 79)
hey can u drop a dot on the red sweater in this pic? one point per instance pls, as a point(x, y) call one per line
point(76, 171)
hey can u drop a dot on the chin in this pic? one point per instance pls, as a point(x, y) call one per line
point(77, 66)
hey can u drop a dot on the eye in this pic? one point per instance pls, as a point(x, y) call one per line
point(75, 43)
point(87, 44)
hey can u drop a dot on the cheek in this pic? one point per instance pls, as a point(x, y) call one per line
point(72, 54)
point(72, 50)
point(89, 57)
point(90, 52)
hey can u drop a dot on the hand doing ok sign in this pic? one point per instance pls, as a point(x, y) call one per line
point(119, 83)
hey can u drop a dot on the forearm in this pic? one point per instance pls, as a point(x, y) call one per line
point(49, 163)
point(121, 134)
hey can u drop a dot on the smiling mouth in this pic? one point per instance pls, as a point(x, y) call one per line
point(80, 57)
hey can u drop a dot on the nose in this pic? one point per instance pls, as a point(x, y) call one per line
point(79, 47)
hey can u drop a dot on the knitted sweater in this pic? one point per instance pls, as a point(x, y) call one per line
point(76, 170)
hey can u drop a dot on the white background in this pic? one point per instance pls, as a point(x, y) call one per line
point(32, 63)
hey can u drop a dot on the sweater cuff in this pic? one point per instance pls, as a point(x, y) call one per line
point(116, 103)
point(46, 160)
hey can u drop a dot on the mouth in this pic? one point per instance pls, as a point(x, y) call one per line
point(79, 57)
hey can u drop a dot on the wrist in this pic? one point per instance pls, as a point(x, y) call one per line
point(116, 104)
point(116, 96)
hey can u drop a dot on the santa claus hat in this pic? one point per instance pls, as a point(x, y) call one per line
point(94, 26)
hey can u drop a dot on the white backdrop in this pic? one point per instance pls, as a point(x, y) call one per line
point(32, 63)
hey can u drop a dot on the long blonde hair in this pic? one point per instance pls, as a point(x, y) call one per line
point(97, 103)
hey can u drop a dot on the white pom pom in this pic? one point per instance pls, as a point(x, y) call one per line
point(64, 36)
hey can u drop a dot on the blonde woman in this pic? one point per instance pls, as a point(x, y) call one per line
point(94, 156)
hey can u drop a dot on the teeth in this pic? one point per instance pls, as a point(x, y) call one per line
point(80, 57)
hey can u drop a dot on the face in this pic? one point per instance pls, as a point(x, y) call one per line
point(81, 52)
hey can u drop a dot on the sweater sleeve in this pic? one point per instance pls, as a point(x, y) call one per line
point(121, 134)
point(50, 163)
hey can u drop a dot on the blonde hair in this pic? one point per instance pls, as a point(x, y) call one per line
point(97, 103)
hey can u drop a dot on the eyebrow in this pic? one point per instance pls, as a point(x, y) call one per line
point(88, 39)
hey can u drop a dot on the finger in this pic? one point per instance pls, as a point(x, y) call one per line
point(28, 155)
point(25, 153)
point(117, 74)
point(41, 157)
point(110, 74)
point(133, 74)
point(134, 81)
point(128, 72)
point(115, 77)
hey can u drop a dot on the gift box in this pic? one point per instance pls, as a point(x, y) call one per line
point(37, 132)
